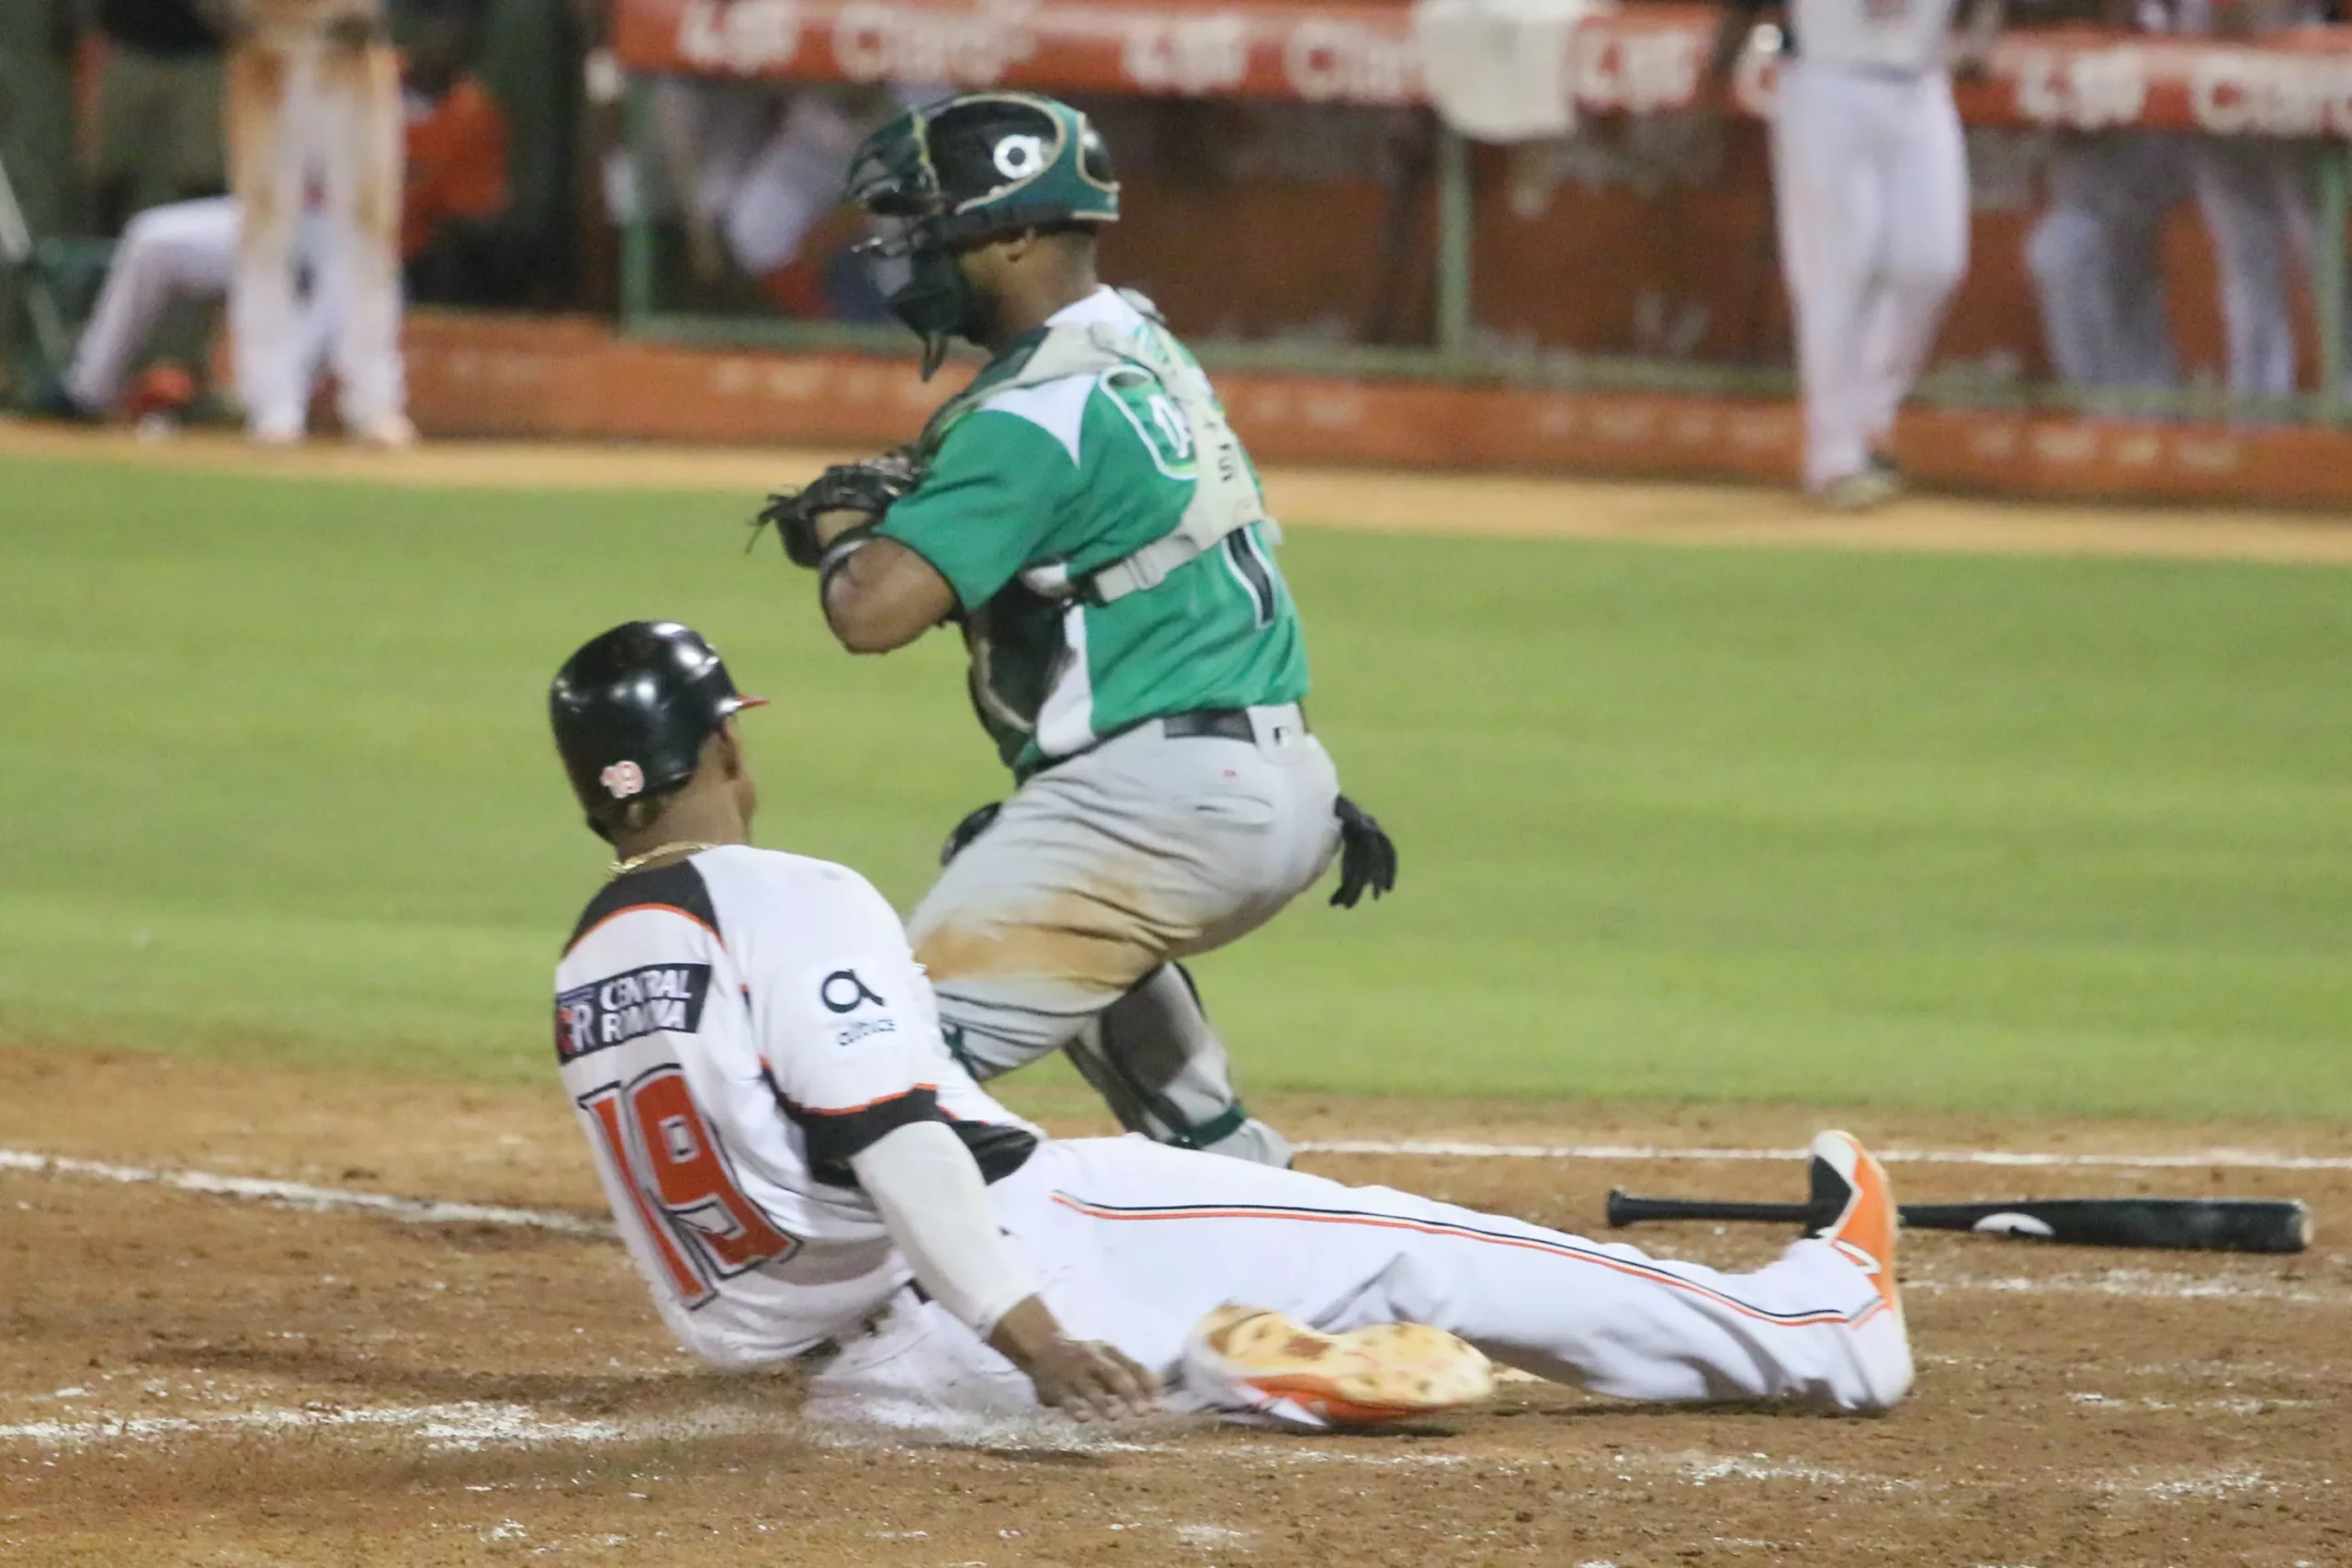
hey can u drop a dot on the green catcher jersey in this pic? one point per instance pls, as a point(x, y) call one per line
point(1035, 487)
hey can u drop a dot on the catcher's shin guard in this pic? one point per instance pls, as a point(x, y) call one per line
point(1161, 1068)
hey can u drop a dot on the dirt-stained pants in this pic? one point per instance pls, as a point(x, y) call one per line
point(306, 111)
point(1059, 927)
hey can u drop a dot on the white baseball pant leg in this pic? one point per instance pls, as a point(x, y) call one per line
point(2096, 257)
point(359, 268)
point(2258, 202)
point(1063, 926)
point(1869, 178)
point(2070, 253)
point(183, 251)
point(1135, 1242)
point(272, 125)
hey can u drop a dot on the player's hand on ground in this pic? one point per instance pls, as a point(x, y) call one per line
point(1090, 1380)
point(1084, 1378)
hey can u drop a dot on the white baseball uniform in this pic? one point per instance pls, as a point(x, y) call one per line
point(741, 1031)
point(185, 250)
point(1869, 175)
point(2097, 256)
point(305, 112)
point(2259, 199)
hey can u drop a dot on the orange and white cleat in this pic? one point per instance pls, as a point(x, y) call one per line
point(1854, 1203)
point(1247, 1359)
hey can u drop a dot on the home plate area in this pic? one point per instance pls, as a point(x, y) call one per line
point(201, 1365)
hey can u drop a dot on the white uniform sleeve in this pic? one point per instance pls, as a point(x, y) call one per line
point(851, 1033)
point(931, 1196)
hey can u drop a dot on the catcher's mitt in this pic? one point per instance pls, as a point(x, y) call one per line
point(868, 487)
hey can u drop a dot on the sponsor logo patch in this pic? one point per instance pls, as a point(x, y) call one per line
point(622, 1007)
point(623, 780)
point(864, 1027)
point(842, 991)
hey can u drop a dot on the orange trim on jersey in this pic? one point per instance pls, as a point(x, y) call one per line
point(639, 908)
point(1825, 1316)
point(877, 1100)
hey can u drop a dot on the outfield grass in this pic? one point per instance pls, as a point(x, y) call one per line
point(2050, 836)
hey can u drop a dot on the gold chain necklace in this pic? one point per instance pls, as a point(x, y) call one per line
point(683, 846)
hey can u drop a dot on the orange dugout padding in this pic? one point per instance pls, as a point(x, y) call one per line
point(517, 377)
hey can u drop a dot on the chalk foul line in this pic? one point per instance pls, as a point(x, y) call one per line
point(303, 1195)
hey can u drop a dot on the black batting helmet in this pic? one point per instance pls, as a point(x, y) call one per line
point(631, 710)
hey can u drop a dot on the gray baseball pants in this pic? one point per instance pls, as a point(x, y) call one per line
point(1060, 927)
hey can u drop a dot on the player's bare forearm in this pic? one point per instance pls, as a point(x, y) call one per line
point(1086, 1380)
point(882, 596)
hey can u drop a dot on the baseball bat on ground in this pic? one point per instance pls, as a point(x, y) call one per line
point(2188, 1225)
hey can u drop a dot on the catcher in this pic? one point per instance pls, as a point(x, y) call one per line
point(1085, 513)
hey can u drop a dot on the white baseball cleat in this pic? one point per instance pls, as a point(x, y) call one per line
point(274, 430)
point(1245, 1359)
point(393, 432)
point(1861, 492)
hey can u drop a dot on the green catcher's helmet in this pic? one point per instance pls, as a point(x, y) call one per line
point(966, 168)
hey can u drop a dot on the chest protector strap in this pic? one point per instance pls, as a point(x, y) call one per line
point(1225, 497)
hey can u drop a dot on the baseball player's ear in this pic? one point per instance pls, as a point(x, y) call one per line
point(726, 756)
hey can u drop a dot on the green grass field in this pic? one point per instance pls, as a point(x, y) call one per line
point(1965, 833)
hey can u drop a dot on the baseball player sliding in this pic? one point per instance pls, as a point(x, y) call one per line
point(1087, 515)
point(1869, 178)
point(795, 1158)
point(314, 97)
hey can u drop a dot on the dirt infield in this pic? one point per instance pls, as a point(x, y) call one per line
point(1480, 505)
point(188, 1377)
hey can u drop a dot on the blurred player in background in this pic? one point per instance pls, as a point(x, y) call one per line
point(1869, 175)
point(314, 102)
point(187, 251)
point(2096, 253)
point(758, 171)
point(2097, 256)
point(2260, 200)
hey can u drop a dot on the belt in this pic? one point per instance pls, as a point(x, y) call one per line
point(1215, 723)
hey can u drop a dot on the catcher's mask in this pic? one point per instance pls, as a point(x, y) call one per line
point(966, 169)
point(631, 710)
